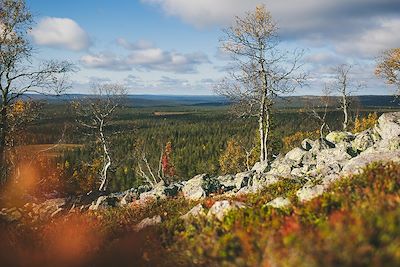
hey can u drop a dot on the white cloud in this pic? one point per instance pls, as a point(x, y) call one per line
point(373, 41)
point(144, 56)
point(60, 33)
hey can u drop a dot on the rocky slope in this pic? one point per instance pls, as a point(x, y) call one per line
point(315, 165)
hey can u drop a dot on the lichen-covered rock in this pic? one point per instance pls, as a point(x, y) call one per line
point(279, 203)
point(196, 212)
point(147, 222)
point(338, 137)
point(221, 208)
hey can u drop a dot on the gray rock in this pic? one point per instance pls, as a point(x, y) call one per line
point(200, 186)
point(260, 167)
point(147, 223)
point(196, 212)
point(221, 208)
point(355, 165)
point(279, 203)
point(296, 155)
point(309, 191)
point(242, 179)
point(389, 125)
point(363, 141)
point(227, 182)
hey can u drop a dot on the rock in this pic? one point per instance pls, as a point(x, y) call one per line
point(363, 141)
point(320, 145)
point(307, 144)
point(260, 167)
point(173, 189)
point(296, 155)
point(104, 202)
point(261, 180)
point(196, 212)
point(309, 191)
point(227, 182)
point(147, 223)
point(279, 203)
point(221, 208)
point(282, 170)
point(332, 160)
point(128, 197)
point(389, 125)
point(355, 165)
point(242, 179)
point(200, 186)
point(336, 137)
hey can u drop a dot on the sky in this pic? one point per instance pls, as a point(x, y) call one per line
point(172, 46)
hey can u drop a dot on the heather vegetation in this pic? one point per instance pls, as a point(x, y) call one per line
point(355, 223)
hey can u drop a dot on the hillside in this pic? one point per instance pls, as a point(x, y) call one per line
point(302, 210)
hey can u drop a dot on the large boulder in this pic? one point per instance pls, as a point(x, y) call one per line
point(355, 165)
point(389, 125)
point(200, 186)
point(221, 208)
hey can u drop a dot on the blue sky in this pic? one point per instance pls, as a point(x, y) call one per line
point(171, 46)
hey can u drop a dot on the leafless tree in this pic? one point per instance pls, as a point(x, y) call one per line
point(346, 87)
point(95, 113)
point(260, 71)
point(146, 171)
point(320, 110)
point(18, 74)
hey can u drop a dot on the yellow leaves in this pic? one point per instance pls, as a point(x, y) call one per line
point(365, 123)
point(231, 159)
point(388, 66)
point(18, 107)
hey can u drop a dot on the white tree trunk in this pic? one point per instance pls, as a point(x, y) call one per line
point(107, 159)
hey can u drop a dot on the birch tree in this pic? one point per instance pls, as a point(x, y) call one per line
point(19, 76)
point(345, 86)
point(260, 71)
point(388, 67)
point(320, 111)
point(95, 113)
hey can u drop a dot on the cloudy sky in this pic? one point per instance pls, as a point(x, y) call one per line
point(171, 46)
